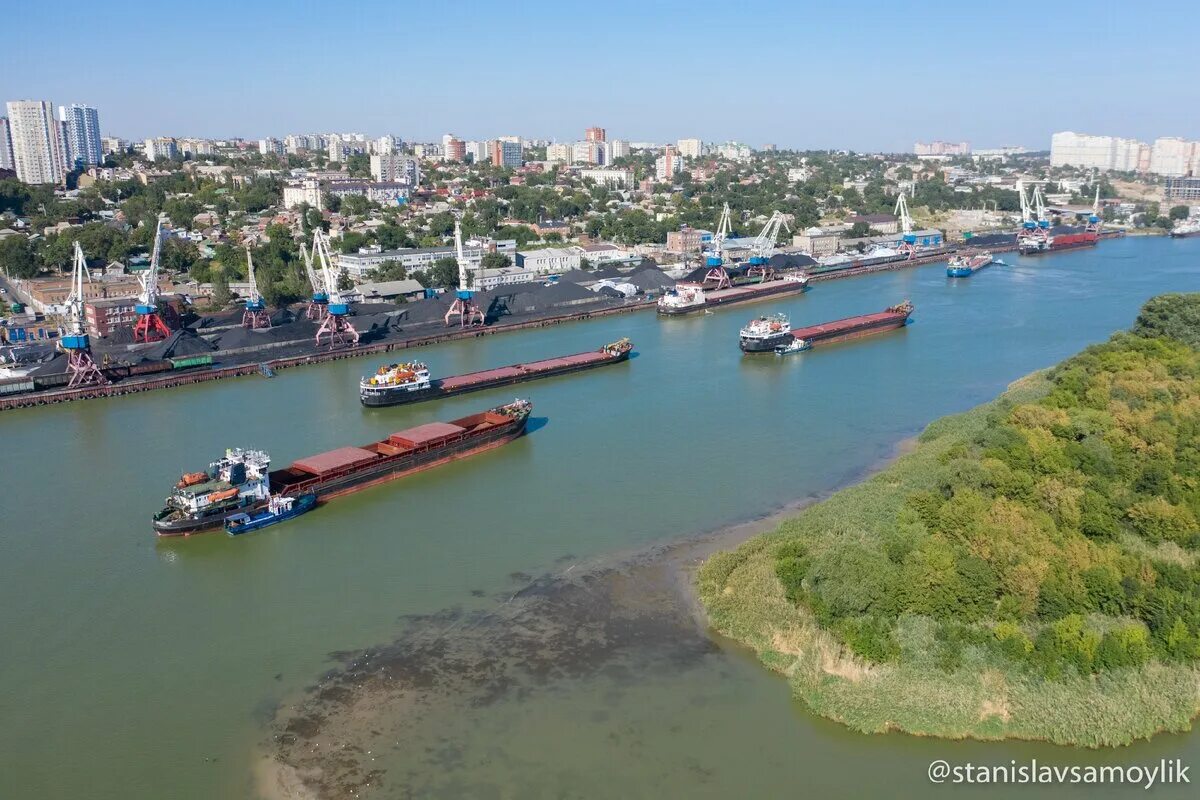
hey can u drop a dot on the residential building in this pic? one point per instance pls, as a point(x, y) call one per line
point(1175, 157)
point(82, 128)
point(298, 193)
point(453, 148)
point(294, 144)
point(940, 148)
point(559, 153)
point(383, 192)
point(799, 174)
point(594, 135)
point(690, 148)
point(6, 151)
point(359, 265)
point(883, 223)
point(613, 178)
point(163, 148)
point(735, 151)
point(384, 146)
point(688, 240)
point(1068, 148)
point(37, 145)
point(270, 147)
point(587, 152)
point(668, 165)
point(549, 260)
point(1179, 188)
point(396, 167)
point(617, 148)
point(111, 144)
point(478, 152)
point(506, 153)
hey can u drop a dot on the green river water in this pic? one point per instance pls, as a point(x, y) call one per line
point(136, 668)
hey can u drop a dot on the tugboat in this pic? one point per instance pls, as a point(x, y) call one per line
point(279, 509)
point(965, 267)
point(765, 333)
point(237, 483)
point(794, 346)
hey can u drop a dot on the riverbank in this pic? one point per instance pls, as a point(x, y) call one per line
point(981, 698)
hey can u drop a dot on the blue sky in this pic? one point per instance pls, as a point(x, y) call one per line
point(867, 75)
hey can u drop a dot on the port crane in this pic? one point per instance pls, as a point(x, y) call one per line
point(319, 302)
point(150, 326)
point(335, 323)
point(464, 304)
point(255, 315)
point(1094, 219)
point(908, 240)
point(75, 341)
point(764, 245)
point(715, 261)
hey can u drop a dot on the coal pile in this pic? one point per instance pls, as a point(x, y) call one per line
point(650, 279)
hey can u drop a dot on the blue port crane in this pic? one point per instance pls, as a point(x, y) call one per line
point(464, 306)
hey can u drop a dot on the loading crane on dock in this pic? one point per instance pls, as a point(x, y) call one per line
point(1094, 219)
point(150, 326)
point(715, 260)
point(464, 304)
point(764, 245)
point(318, 304)
point(335, 324)
point(75, 340)
point(908, 243)
point(255, 315)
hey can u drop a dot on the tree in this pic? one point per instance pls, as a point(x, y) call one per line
point(1178, 212)
point(351, 241)
point(221, 295)
point(858, 230)
point(389, 270)
point(495, 261)
point(16, 257)
point(344, 283)
point(443, 273)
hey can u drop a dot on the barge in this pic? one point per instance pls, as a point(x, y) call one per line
point(688, 298)
point(409, 382)
point(842, 330)
point(966, 266)
point(1055, 238)
point(240, 483)
point(1184, 229)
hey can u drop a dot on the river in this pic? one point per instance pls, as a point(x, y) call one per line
point(137, 668)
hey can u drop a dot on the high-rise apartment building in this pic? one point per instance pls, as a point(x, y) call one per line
point(940, 148)
point(1168, 155)
point(617, 148)
point(1175, 157)
point(37, 145)
point(559, 152)
point(587, 152)
point(478, 151)
point(506, 153)
point(690, 148)
point(396, 168)
point(594, 135)
point(81, 127)
point(453, 148)
point(6, 153)
point(668, 165)
point(164, 148)
point(270, 147)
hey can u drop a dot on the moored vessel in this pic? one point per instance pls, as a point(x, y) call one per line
point(688, 298)
point(891, 318)
point(1185, 228)
point(765, 333)
point(344, 470)
point(397, 384)
point(278, 509)
point(233, 484)
point(966, 266)
point(1057, 237)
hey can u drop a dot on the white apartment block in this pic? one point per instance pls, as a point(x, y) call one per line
point(735, 151)
point(617, 148)
point(6, 153)
point(560, 153)
point(612, 178)
point(298, 193)
point(81, 127)
point(1169, 155)
point(396, 168)
point(668, 165)
point(163, 148)
point(587, 152)
point(1175, 157)
point(476, 151)
point(270, 147)
point(940, 148)
point(37, 146)
point(690, 148)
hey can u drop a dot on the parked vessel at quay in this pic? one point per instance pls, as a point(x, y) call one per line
point(396, 384)
point(688, 298)
point(966, 266)
point(204, 500)
point(1057, 237)
point(278, 509)
point(1186, 228)
point(896, 316)
point(765, 333)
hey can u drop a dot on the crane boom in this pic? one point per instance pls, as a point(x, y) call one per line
point(74, 301)
point(149, 278)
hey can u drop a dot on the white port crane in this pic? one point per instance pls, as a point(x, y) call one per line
point(335, 323)
point(463, 306)
point(255, 315)
point(75, 341)
point(764, 244)
point(908, 243)
point(715, 261)
point(150, 326)
point(319, 302)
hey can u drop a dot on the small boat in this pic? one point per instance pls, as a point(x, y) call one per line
point(266, 370)
point(279, 509)
point(794, 346)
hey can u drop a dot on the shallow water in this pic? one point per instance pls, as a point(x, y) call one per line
point(135, 668)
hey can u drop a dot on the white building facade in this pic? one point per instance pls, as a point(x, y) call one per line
point(37, 145)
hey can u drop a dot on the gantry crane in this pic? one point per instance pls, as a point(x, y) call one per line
point(464, 304)
point(715, 261)
point(75, 341)
point(318, 304)
point(150, 326)
point(336, 323)
point(764, 245)
point(255, 315)
point(908, 240)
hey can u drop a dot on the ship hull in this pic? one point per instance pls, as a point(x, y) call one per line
point(187, 525)
point(1187, 235)
point(765, 344)
point(1067, 242)
point(304, 504)
point(398, 396)
point(739, 294)
point(852, 328)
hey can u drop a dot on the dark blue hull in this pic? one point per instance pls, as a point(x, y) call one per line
point(264, 518)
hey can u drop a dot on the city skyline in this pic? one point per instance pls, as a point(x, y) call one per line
point(811, 79)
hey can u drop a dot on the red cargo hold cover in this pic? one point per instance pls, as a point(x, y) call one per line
point(425, 433)
point(343, 457)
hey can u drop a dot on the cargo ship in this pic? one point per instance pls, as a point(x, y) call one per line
point(765, 333)
point(689, 297)
point(396, 384)
point(241, 484)
point(850, 327)
point(1058, 237)
point(1186, 228)
point(966, 266)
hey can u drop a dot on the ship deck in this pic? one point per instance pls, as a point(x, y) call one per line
point(836, 327)
point(457, 382)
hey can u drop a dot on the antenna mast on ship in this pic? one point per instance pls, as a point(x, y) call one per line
point(464, 305)
point(716, 258)
point(75, 341)
point(150, 326)
point(255, 315)
point(335, 324)
point(908, 244)
point(319, 302)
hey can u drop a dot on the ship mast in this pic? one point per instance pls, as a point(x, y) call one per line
point(255, 315)
point(75, 341)
point(150, 326)
point(335, 324)
point(464, 305)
